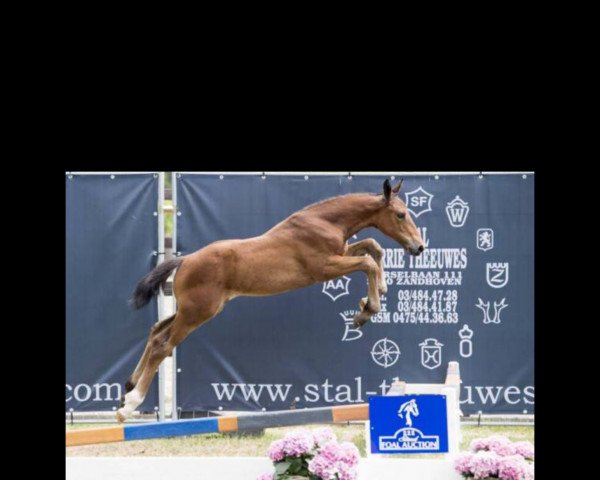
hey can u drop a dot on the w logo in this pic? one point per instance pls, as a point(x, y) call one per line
point(457, 211)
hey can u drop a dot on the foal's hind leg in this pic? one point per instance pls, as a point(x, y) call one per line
point(370, 247)
point(154, 331)
point(162, 344)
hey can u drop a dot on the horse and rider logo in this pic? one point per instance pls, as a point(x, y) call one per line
point(431, 353)
point(336, 288)
point(485, 308)
point(496, 274)
point(418, 201)
point(407, 409)
point(457, 211)
point(485, 239)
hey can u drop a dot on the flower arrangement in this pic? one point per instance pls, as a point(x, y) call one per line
point(497, 457)
point(315, 455)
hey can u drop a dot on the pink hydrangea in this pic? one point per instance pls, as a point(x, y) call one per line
point(347, 472)
point(492, 443)
point(525, 449)
point(335, 459)
point(493, 458)
point(484, 464)
point(298, 443)
point(503, 449)
point(349, 453)
point(323, 436)
point(514, 467)
point(322, 467)
point(276, 450)
point(462, 463)
point(265, 476)
point(529, 472)
point(329, 460)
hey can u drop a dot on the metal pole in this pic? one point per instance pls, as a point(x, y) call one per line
point(161, 294)
point(174, 354)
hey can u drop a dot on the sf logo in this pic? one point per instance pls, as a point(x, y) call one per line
point(418, 201)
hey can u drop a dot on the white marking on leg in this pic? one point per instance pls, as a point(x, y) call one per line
point(132, 400)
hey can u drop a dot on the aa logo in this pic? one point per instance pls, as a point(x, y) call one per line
point(336, 288)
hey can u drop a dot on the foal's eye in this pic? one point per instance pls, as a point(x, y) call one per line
point(401, 216)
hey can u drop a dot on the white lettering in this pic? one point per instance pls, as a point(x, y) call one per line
point(226, 391)
point(344, 393)
point(251, 391)
point(512, 390)
point(311, 392)
point(529, 393)
point(88, 393)
point(278, 393)
point(107, 388)
point(491, 394)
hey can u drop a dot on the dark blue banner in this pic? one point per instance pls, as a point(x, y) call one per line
point(468, 297)
point(111, 239)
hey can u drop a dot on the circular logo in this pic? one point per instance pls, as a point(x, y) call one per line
point(385, 352)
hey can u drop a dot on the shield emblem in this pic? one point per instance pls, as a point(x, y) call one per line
point(431, 353)
point(496, 274)
point(457, 211)
point(485, 239)
point(336, 288)
point(418, 201)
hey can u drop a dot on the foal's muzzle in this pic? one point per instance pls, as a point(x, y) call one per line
point(416, 251)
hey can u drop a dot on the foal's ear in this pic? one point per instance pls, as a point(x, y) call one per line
point(397, 188)
point(387, 189)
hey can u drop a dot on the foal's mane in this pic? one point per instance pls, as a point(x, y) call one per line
point(338, 197)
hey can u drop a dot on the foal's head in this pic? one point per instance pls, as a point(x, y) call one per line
point(395, 221)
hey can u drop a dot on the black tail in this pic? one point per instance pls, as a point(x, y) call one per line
point(151, 283)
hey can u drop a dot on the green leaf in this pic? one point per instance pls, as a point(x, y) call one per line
point(296, 465)
point(281, 467)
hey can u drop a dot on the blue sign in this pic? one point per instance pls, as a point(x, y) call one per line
point(408, 424)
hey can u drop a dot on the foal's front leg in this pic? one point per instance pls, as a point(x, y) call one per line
point(336, 266)
point(371, 247)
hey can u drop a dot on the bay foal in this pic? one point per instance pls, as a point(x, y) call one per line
point(307, 247)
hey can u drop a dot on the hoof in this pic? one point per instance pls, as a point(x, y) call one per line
point(363, 303)
point(120, 416)
point(359, 321)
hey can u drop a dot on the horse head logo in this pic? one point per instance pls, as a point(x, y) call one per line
point(407, 409)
